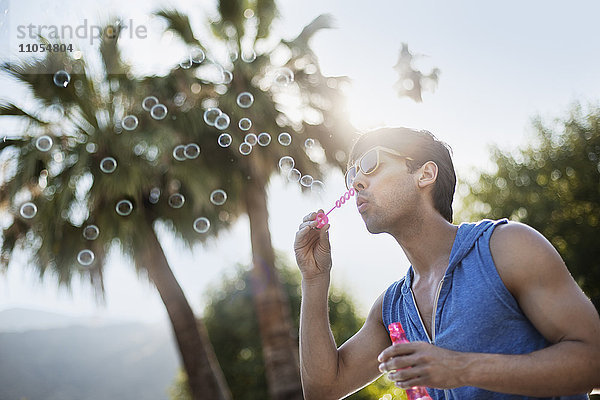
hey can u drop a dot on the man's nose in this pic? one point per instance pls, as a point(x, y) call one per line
point(359, 182)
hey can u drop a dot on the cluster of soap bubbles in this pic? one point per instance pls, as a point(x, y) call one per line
point(195, 56)
point(250, 140)
point(218, 197)
point(189, 151)
point(286, 165)
point(157, 110)
point(86, 257)
point(215, 117)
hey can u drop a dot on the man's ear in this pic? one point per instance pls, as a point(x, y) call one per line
point(428, 174)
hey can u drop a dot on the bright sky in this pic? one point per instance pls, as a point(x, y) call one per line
point(501, 65)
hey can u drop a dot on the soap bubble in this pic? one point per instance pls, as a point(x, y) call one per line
point(245, 124)
point(191, 151)
point(124, 208)
point(91, 232)
point(309, 143)
point(245, 148)
point(210, 116)
point(224, 140)
point(85, 257)
point(108, 165)
point(28, 210)
point(91, 147)
point(248, 56)
point(186, 63)
point(149, 102)
point(159, 111)
point(306, 180)
point(154, 195)
point(62, 78)
point(245, 99)
point(284, 139)
point(283, 76)
point(179, 153)
point(264, 139)
point(317, 187)
point(222, 122)
point(176, 200)
point(201, 225)
point(286, 163)
point(197, 55)
point(43, 143)
point(218, 197)
point(251, 139)
point(129, 122)
point(179, 99)
point(294, 175)
point(227, 76)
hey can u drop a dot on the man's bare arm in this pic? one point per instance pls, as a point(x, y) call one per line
point(328, 372)
point(535, 274)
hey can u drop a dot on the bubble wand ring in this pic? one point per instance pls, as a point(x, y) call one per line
point(323, 219)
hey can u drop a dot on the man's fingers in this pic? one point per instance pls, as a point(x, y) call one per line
point(311, 224)
point(397, 349)
point(311, 216)
point(324, 234)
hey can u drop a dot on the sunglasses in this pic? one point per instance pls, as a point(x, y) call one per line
point(368, 163)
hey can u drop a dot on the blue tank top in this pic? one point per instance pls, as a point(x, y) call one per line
point(475, 312)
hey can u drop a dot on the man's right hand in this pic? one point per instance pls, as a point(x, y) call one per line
point(312, 248)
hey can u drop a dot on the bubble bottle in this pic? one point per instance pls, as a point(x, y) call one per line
point(398, 335)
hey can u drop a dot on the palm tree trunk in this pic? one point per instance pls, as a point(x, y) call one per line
point(205, 377)
point(280, 348)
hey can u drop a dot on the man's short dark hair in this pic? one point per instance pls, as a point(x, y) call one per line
point(421, 146)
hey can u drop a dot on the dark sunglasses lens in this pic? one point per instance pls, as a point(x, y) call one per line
point(369, 162)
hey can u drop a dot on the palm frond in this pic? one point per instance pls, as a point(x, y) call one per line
point(109, 50)
point(266, 11)
point(323, 21)
point(11, 109)
point(179, 24)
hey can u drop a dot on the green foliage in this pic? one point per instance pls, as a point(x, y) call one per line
point(233, 329)
point(553, 185)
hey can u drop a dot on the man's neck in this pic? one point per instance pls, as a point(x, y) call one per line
point(427, 243)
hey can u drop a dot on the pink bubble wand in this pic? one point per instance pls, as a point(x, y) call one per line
point(323, 218)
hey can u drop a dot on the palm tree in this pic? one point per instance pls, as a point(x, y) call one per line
point(68, 207)
point(91, 130)
point(320, 99)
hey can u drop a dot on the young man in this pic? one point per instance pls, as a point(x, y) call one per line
point(490, 308)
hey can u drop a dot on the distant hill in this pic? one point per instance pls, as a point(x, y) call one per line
point(119, 361)
point(23, 319)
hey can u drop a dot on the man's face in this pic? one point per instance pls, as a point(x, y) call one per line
point(387, 195)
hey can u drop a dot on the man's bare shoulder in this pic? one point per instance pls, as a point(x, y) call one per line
point(520, 253)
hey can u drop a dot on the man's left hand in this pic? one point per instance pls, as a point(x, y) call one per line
point(423, 364)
